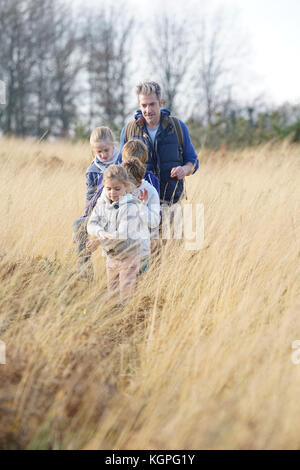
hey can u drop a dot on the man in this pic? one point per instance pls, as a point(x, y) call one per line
point(169, 159)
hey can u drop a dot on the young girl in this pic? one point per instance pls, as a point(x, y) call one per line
point(146, 193)
point(104, 153)
point(136, 148)
point(118, 222)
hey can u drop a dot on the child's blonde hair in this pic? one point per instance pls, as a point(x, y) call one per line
point(135, 148)
point(135, 169)
point(102, 134)
point(119, 173)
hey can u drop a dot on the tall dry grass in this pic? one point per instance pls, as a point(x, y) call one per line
point(199, 358)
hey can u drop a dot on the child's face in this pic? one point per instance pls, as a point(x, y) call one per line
point(114, 189)
point(103, 150)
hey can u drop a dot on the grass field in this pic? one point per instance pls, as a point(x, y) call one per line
point(199, 358)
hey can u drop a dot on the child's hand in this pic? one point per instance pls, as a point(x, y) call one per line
point(92, 245)
point(106, 235)
point(143, 196)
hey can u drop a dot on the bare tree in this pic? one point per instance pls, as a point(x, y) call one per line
point(15, 61)
point(65, 64)
point(43, 35)
point(108, 47)
point(169, 54)
point(39, 62)
point(218, 57)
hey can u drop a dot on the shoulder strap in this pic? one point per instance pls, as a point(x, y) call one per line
point(178, 130)
point(132, 129)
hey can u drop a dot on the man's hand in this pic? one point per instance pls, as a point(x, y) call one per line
point(181, 172)
point(92, 245)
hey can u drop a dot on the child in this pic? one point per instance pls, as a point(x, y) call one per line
point(118, 223)
point(132, 148)
point(136, 148)
point(104, 153)
point(146, 193)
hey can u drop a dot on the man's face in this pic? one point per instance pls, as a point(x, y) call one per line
point(150, 107)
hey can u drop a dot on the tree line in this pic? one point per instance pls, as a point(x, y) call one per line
point(246, 126)
point(69, 68)
point(56, 61)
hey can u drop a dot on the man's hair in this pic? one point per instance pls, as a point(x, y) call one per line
point(116, 172)
point(148, 88)
point(135, 148)
point(135, 169)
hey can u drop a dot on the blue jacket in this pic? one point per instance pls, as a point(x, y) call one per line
point(164, 154)
point(148, 177)
point(93, 175)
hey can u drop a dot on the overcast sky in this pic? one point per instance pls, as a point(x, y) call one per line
point(271, 29)
point(274, 33)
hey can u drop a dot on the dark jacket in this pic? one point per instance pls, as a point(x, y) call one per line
point(94, 172)
point(164, 154)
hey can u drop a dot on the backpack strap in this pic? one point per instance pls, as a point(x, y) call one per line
point(133, 129)
point(178, 130)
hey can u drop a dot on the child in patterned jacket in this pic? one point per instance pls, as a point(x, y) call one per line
point(147, 194)
point(105, 153)
point(118, 221)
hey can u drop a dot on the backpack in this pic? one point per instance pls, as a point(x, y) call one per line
point(178, 130)
point(133, 128)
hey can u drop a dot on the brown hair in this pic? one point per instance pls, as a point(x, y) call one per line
point(117, 172)
point(135, 148)
point(135, 169)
